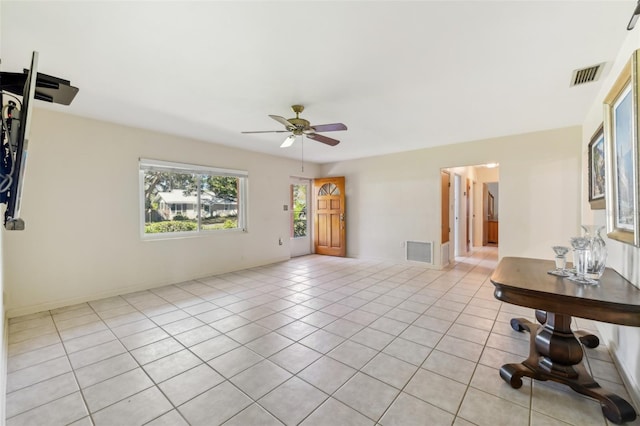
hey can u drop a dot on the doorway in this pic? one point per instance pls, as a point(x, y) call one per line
point(465, 207)
point(487, 208)
point(299, 227)
point(457, 211)
point(445, 228)
point(462, 206)
point(491, 200)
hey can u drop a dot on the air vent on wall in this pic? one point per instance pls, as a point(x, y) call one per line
point(420, 251)
point(586, 75)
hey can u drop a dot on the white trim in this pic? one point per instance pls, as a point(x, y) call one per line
point(188, 234)
point(243, 204)
point(142, 211)
point(4, 359)
point(159, 165)
point(627, 379)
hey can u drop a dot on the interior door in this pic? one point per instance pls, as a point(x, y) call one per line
point(468, 195)
point(445, 182)
point(457, 209)
point(485, 213)
point(329, 226)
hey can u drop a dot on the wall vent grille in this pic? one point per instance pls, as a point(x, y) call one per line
point(420, 251)
point(586, 75)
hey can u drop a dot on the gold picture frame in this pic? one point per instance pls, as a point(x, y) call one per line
point(596, 174)
point(621, 155)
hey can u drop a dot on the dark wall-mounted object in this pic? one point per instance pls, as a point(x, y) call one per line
point(30, 85)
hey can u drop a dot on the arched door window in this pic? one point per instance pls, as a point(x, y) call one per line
point(329, 189)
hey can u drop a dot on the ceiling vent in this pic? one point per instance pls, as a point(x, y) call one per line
point(586, 75)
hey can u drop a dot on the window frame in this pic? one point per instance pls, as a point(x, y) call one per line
point(145, 165)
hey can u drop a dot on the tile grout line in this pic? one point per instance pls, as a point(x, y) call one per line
point(178, 308)
point(75, 377)
point(455, 415)
point(357, 278)
point(381, 351)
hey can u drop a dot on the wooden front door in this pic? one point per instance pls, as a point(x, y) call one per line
point(330, 234)
point(445, 185)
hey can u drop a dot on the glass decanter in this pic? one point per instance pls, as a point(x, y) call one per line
point(597, 260)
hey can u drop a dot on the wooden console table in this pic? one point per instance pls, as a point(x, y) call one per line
point(555, 351)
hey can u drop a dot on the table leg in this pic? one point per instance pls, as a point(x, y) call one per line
point(589, 340)
point(556, 354)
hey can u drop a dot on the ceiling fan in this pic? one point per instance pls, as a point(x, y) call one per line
point(299, 126)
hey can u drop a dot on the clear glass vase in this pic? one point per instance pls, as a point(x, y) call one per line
point(597, 251)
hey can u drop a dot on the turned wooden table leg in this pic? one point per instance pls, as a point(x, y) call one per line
point(587, 339)
point(558, 346)
point(556, 354)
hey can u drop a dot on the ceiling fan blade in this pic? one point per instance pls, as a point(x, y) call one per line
point(288, 141)
point(282, 121)
point(329, 127)
point(267, 131)
point(323, 139)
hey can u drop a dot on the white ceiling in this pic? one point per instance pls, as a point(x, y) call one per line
point(400, 75)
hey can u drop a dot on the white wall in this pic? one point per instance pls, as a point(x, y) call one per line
point(623, 342)
point(81, 207)
point(396, 197)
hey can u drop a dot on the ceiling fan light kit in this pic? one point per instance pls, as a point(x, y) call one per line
point(299, 126)
point(288, 141)
point(634, 17)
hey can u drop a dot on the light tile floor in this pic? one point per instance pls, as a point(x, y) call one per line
point(313, 341)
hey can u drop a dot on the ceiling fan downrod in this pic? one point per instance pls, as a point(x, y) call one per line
point(299, 125)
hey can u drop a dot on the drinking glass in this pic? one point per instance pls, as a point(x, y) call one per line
point(561, 261)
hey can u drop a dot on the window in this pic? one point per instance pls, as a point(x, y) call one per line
point(298, 210)
point(329, 189)
point(184, 198)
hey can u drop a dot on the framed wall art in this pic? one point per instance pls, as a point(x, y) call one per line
point(597, 170)
point(621, 155)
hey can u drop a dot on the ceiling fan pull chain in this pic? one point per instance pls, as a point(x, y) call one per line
point(302, 163)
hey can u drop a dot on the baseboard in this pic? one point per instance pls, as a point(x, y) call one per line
point(3, 368)
point(627, 379)
point(60, 303)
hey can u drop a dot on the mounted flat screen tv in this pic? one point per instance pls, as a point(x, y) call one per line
point(30, 85)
